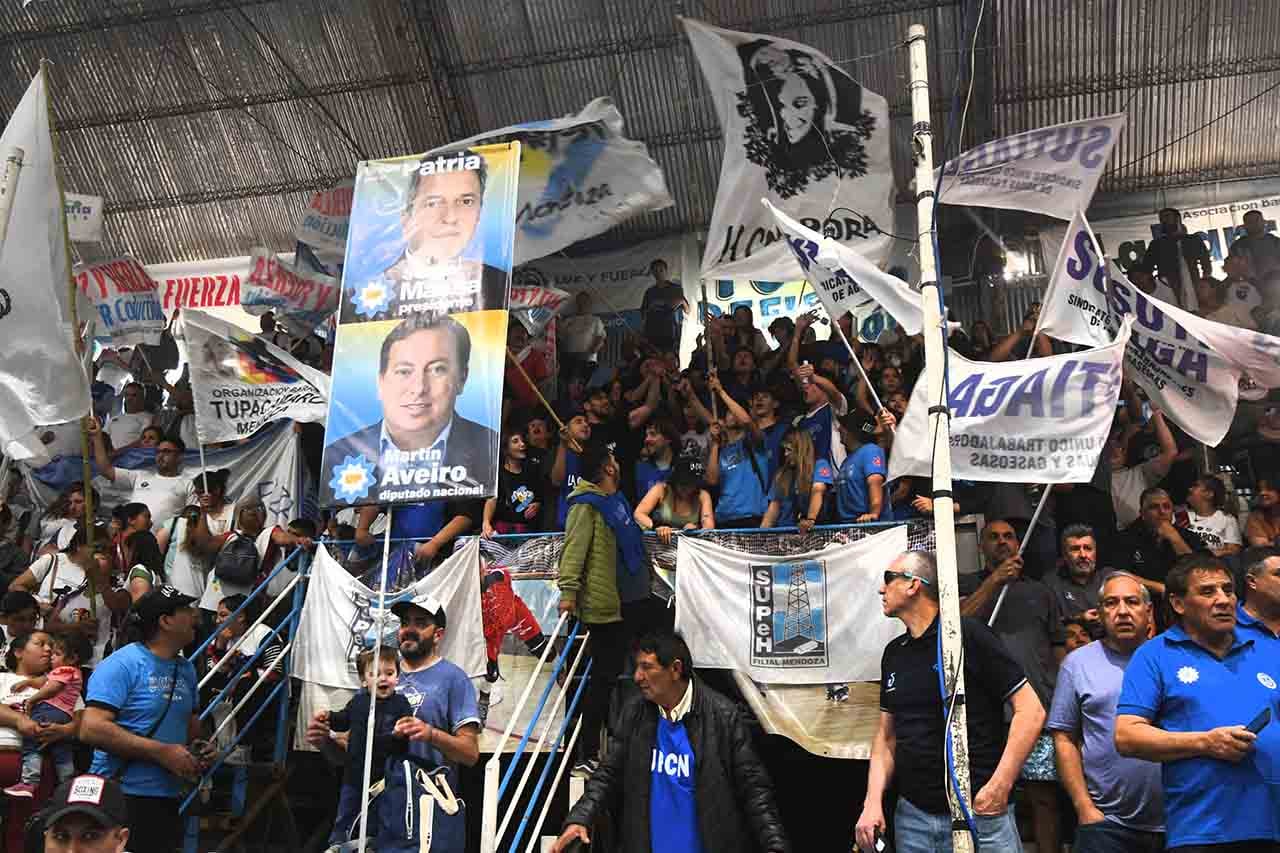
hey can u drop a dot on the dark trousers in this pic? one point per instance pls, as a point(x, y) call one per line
point(154, 824)
point(1108, 837)
point(610, 649)
point(1230, 847)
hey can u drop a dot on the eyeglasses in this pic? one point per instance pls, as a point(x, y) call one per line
point(890, 577)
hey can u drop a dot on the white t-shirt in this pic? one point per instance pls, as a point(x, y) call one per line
point(216, 589)
point(1242, 293)
point(188, 571)
point(69, 586)
point(164, 496)
point(9, 738)
point(579, 331)
point(1127, 486)
point(127, 428)
point(1216, 530)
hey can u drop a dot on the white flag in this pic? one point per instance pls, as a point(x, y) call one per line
point(301, 299)
point(579, 176)
point(1039, 420)
point(1189, 367)
point(125, 301)
point(241, 383)
point(809, 618)
point(41, 379)
point(84, 217)
point(1050, 170)
point(846, 281)
point(801, 132)
point(326, 220)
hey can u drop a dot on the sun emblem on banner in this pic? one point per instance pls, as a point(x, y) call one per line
point(352, 479)
point(1188, 675)
point(374, 298)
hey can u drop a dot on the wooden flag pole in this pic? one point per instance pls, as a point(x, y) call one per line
point(515, 361)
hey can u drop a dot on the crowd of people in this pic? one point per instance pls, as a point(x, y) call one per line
point(1157, 559)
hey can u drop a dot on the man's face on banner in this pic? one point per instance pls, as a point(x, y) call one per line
point(444, 215)
point(422, 380)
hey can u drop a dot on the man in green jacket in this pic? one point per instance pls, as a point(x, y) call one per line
point(604, 582)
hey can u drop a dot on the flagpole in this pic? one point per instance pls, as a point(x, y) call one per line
point(956, 776)
point(706, 344)
point(1035, 519)
point(550, 410)
point(379, 626)
point(9, 187)
point(86, 469)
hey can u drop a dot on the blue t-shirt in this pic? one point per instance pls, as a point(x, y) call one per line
point(441, 696)
point(1127, 791)
point(673, 807)
point(572, 474)
point(741, 492)
point(773, 443)
point(821, 428)
point(647, 476)
point(788, 509)
point(1181, 687)
point(135, 684)
point(853, 497)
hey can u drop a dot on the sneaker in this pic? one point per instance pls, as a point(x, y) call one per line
point(837, 693)
point(22, 789)
point(584, 769)
point(482, 702)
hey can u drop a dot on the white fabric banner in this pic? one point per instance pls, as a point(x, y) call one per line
point(1169, 355)
point(301, 299)
point(846, 281)
point(339, 615)
point(535, 306)
point(241, 383)
point(808, 618)
point(579, 176)
point(1050, 170)
point(1039, 420)
point(326, 220)
point(125, 299)
point(801, 132)
point(84, 217)
point(41, 378)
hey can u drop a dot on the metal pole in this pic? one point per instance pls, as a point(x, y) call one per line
point(706, 343)
point(379, 626)
point(9, 186)
point(1031, 529)
point(940, 428)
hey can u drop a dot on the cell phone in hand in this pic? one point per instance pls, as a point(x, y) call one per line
point(1260, 722)
point(881, 844)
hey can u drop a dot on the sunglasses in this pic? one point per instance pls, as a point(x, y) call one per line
point(890, 577)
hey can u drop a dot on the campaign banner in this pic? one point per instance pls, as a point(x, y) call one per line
point(801, 132)
point(536, 306)
point(125, 299)
point(579, 176)
point(1050, 170)
point(796, 619)
point(84, 217)
point(327, 219)
point(241, 383)
point(1039, 420)
point(217, 284)
point(301, 300)
point(844, 280)
point(1194, 385)
point(421, 340)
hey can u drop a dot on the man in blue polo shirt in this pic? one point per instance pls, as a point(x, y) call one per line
point(1187, 698)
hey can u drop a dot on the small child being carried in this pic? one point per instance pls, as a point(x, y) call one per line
point(53, 702)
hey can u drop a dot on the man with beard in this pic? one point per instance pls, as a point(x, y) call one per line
point(1118, 801)
point(165, 490)
point(443, 732)
point(1151, 544)
point(1074, 583)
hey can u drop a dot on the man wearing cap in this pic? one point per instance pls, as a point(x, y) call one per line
point(86, 814)
point(140, 716)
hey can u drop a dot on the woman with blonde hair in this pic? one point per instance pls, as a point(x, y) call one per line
point(800, 485)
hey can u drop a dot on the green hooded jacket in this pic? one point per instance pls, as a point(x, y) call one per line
point(589, 562)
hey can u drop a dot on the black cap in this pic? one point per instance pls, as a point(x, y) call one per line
point(15, 601)
point(860, 424)
point(427, 604)
point(161, 601)
point(96, 796)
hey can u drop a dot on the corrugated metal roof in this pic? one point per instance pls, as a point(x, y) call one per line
point(207, 123)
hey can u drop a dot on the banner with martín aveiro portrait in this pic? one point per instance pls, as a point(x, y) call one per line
point(421, 342)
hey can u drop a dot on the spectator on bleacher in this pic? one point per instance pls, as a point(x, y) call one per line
point(516, 506)
point(126, 428)
point(1216, 306)
point(1129, 483)
point(1241, 288)
point(1263, 525)
point(1219, 530)
point(87, 814)
point(1151, 545)
point(250, 526)
point(1261, 248)
point(1119, 802)
point(686, 751)
point(1187, 697)
point(140, 716)
point(1174, 243)
point(765, 410)
point(1258, 615)
point(1075, 583)
point(581, 337)
point(822, 401)
point(178, 417)
point(859, 488)
point(532, 361)
point(55, 701)
point(1030, 624)
point(19, 613)
point(142, 567)
point(657, 455)
point(798, 493)
point(738, 463)
point(165, 490)
point(679, 503)
point(64, 513)
point(566, 469)
point(604, 582)
point(782, 329)
point(1076, 631)
point(908, 749)
point(663, 309)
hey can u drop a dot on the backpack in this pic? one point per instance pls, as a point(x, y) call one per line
point(237, 562)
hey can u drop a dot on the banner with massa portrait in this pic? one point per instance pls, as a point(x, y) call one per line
point(418, 360)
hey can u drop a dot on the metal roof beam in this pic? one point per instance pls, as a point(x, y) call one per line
point(1140, 79)
point(1190, 177)
point(229, 194)
point(126, 19)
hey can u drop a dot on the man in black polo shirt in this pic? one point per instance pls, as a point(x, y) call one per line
point(908, 746)
point(1151, 545)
